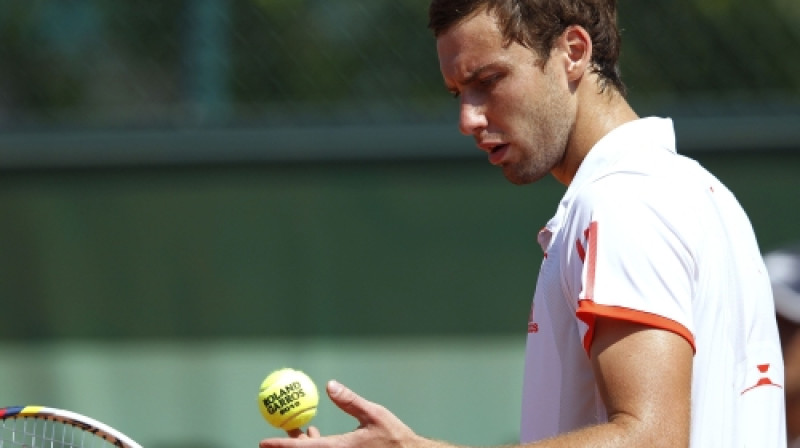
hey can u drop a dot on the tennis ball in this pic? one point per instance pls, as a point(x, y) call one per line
point(288, 399)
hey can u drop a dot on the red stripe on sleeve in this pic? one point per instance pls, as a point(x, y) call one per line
point(591, 259)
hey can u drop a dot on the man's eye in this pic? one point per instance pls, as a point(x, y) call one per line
point(489, 80)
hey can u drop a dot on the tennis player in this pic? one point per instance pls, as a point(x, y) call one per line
point(652, 323)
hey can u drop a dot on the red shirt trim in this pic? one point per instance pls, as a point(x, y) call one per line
point(588, 311)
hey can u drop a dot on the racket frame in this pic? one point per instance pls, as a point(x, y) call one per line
point(74, 419)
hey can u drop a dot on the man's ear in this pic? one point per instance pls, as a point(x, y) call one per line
point(577, 46)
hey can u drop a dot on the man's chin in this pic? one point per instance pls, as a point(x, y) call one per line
point(518, 177)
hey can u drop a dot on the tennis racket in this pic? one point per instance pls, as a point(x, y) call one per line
point(42, 427)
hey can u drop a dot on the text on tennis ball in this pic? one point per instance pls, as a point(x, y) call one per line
point(285, 399)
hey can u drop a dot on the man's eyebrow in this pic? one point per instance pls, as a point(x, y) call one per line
point(470, 78)
point(475, 74)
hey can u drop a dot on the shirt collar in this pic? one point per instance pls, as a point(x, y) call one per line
point(632, 136)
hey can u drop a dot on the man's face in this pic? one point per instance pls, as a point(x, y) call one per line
point(519, 112)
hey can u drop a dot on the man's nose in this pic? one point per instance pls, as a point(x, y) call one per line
point(472, 118)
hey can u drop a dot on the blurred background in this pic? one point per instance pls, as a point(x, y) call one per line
point(194, 193)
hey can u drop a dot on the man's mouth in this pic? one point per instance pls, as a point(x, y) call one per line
point(498, 154)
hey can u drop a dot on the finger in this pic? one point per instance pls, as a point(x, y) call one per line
point(283, 442)
point(313, 432)
point(303, 442)
point(294, 433)
point(350, 402)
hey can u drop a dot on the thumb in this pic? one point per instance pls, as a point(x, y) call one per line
point(351, 403)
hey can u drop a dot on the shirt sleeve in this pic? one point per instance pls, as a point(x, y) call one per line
point(637, 261)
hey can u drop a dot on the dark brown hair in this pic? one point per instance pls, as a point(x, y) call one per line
point(537, 24)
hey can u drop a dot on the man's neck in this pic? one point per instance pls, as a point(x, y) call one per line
point(598, 113)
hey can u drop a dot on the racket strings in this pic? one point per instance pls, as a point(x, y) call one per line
point(30, 432)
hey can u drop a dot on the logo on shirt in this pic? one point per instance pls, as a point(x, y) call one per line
point(763, 380)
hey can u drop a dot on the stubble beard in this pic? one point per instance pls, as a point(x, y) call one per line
point(551, 128)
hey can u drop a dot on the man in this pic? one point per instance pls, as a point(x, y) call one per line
point(652, 322)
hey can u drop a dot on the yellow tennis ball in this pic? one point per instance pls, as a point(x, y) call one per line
point(288, 399)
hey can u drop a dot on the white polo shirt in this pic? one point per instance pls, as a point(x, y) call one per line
point(647, 235)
